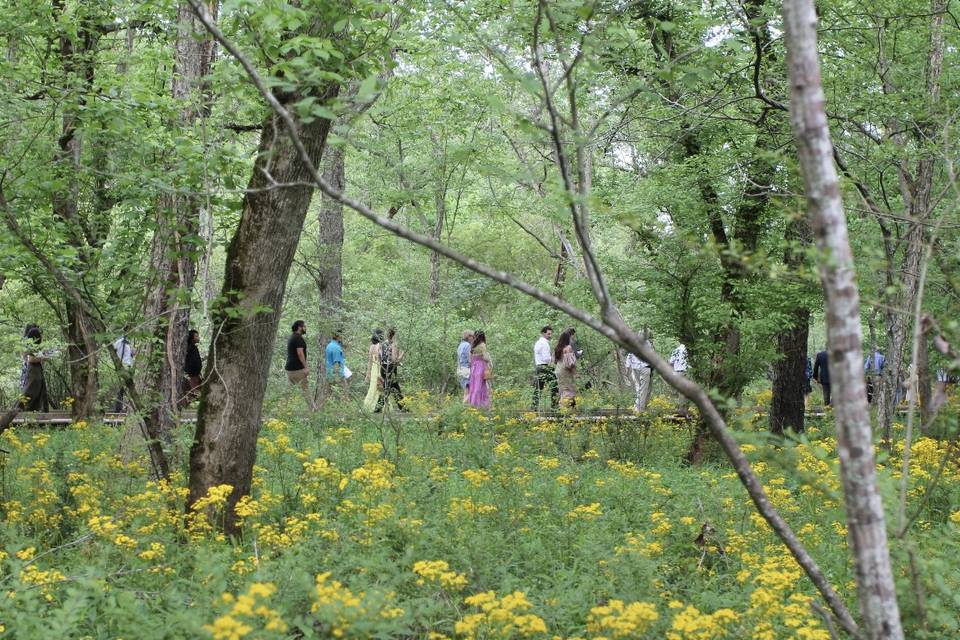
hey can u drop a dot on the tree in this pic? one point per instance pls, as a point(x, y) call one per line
point(865, 517)
point(175, 244)
point(262, 248)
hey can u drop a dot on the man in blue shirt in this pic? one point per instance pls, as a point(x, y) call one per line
point(334, 357)
point(873, 368)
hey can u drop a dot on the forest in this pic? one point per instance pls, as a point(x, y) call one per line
point(479, 319)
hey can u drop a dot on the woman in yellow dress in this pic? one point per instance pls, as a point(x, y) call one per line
point(373, 372)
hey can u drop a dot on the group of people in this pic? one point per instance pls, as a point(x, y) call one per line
point(34, 395)
point(555, 368)
point(820, 373)
point(383, 361)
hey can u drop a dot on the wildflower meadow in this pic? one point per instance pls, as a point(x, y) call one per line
point(453, 524)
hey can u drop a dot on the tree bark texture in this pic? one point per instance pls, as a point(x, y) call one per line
point(789, 376)
point(176, 242)
point(867, 533)
point(245, 326)
point(787, 406)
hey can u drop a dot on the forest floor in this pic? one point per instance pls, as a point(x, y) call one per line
point(460, 525)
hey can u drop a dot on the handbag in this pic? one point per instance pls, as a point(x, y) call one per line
point(488, 372)
point(569, 360)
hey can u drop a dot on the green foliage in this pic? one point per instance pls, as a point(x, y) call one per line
point(550, 508)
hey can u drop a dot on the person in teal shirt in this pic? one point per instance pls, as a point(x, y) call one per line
point(334, 356)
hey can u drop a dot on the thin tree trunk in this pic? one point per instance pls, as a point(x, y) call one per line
point(867, 533)
point(916, 193)
point(175, 249)
point(329, 269)
point(76, 55)
point(245, 328)
point(924, 383)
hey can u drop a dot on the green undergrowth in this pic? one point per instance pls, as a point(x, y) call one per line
point(451, 523)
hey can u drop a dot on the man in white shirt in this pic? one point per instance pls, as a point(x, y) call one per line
point(543, 369)
point(678, 359)
point(638, 370)
point(125, 352)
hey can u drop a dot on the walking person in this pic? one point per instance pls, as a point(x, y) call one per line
point(125, 353)
point(25, 363)
point(873, 368)
point(678, 359)
point(543, 374)
point(372, 398)
point(336, 366)
point(639, 372)
point(821, 373)
point(807, 387)
point(298, 373)
point(192, 368)
point(463, 362)
point(481, 372)
point(390, 358)
point(34, 395)
point(565, 368)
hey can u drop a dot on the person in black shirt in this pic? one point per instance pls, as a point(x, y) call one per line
point(192, 367)
point(298, 373)
point(821, 373)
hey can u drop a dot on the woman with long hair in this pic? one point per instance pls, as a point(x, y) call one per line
point(373, 372)
point(566, 368)
point(481, 371)
point(35, 386)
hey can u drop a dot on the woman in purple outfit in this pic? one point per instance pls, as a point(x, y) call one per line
point(480, 373)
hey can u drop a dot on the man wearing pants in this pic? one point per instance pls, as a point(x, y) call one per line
point(298, 373)
point(821, 373)
point(543, 369)
point(639, 372)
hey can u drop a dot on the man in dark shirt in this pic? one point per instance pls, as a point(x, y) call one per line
point(821, 373)
point(298, 373)
point(192, 367)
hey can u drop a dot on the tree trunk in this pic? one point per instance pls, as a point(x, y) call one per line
point(916, 193)
point(82, 351)
point(867, 533)
point(924, 384)
point(329, 269)
point(176, 241)
point(440, 205)
point(245, 327)
point(789, 376)
point(789, 372)
point(76, 55)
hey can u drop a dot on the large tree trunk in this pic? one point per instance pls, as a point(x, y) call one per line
point(789, 372)
point(789, 376)
point(176, 243)
point(245, 327)
point(867, 533)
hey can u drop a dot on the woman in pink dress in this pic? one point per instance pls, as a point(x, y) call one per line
point(480, 373)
